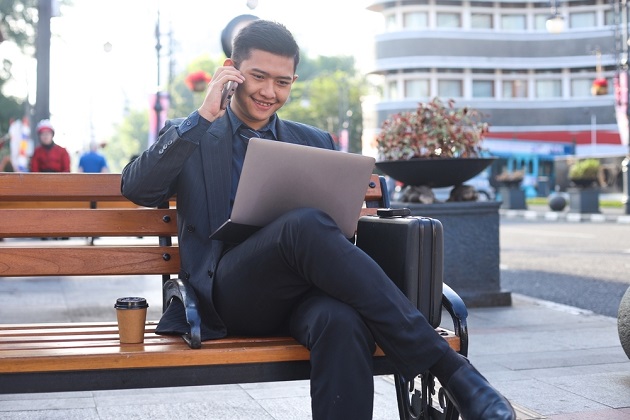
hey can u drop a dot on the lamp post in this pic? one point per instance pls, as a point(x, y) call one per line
point(158, 101)
point(624, 97)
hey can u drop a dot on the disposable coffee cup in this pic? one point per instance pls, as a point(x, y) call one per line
point(132, 314)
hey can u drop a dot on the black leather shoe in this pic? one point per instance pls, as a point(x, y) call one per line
point(475, 398)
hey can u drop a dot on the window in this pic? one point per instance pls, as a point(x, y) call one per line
point(514, 89)
point(483, 89)
point(551, 88)
point(448, 20)
point(450, 88)
point(390, 23)
point(582, 20)
point(416, 20)
point(392, 90)
point(581, 87)
point(481, 21)
point(513, 22)
point(540, 21)
point(417, 88)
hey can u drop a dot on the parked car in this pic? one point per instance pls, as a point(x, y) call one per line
point(480, 182)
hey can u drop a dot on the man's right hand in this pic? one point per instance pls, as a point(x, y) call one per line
point(210, 109)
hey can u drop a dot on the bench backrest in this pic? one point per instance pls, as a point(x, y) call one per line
point(45, 205)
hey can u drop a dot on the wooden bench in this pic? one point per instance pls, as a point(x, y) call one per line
point(88, 356)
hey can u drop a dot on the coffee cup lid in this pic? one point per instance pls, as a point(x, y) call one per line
point(131, 303)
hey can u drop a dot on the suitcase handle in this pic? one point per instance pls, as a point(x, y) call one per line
point(403, 212)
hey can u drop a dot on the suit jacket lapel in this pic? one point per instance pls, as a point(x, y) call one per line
point(216, 158)
point(287, 135)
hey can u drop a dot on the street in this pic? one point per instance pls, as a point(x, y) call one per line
point(586, 265)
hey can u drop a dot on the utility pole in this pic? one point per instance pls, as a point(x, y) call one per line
point(42, 54)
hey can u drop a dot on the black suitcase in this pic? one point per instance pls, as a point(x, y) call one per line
point(410, 250)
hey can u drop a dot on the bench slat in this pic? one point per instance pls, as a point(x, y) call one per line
point(59, 187)
point(88, 261)
point(98, 348)
point(26, 223)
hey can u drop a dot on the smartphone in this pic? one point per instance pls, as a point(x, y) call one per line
point(227, 92)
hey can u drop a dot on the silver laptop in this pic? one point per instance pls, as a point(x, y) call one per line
point(278, 177)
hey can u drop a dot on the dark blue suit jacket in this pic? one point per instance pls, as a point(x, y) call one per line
point(199, 171)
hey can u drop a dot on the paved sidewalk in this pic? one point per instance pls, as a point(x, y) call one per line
point(550, 361)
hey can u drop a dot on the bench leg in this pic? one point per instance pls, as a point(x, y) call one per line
point(419, 404)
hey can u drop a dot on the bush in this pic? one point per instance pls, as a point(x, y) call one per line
point(433, 130)
point(586, 169)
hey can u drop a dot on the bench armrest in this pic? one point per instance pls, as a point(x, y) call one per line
point(455, 306)
point(177, 288)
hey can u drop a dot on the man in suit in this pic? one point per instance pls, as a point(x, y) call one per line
point(299, 274)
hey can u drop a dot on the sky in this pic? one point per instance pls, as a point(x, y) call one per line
point(90, 87)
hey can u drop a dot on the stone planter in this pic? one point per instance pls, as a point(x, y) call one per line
point(471, 249)
point(623, 322)
point(583, 200)
point(512, 197)
point(434, 173)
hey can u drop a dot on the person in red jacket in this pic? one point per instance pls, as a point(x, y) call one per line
point(49, 157)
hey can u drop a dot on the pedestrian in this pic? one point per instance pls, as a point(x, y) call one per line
point(49, 156)
point(298, 275)
point(92, 161)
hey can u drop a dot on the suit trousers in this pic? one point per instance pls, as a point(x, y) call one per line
point(300, 275)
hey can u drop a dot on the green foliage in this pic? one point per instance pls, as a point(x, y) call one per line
point(183, 100)
point(586, 169)
point(130, 139)
point(330, 100)
point(18, 19)
point(433, 130)
point(17, 25)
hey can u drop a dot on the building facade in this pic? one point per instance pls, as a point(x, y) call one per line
point(499, 57)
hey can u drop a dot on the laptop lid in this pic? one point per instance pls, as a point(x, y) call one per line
point(278, 177)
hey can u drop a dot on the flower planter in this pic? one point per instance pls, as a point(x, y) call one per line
point(583, 200)
point(434, 172)
point(512, 197)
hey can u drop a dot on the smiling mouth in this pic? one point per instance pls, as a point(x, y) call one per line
point(265, 104)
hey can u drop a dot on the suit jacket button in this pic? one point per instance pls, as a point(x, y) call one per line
point(210, 273)
point(190, 228)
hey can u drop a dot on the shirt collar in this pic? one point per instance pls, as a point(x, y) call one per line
point(236, 123)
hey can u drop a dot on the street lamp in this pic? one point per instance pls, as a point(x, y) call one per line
point(555, 22)
point(158, 101)
point(622, 97)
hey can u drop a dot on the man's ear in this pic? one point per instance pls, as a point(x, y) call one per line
point(228, 62)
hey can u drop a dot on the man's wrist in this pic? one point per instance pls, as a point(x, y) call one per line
point(193, 127)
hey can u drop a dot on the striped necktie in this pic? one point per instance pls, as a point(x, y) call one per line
point(247, 133)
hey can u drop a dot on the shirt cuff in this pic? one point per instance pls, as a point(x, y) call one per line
point(193, 127)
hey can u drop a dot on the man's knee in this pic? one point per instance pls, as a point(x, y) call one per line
point(332, 323)
point(309, 221)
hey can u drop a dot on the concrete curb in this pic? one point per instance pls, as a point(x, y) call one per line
point(564, 216)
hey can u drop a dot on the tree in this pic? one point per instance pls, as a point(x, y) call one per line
point(329, 97)
point(17, 22)
point(182, 99)
point(129, 141)
point(17, 25)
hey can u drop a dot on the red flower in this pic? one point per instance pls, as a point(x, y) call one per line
point(198, 80)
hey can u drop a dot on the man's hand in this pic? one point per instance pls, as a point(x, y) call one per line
point(210, 109)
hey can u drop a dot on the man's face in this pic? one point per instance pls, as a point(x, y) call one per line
point(267, 85)
point(46, 136)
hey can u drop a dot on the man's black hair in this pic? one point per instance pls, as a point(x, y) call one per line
point(264, 35)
